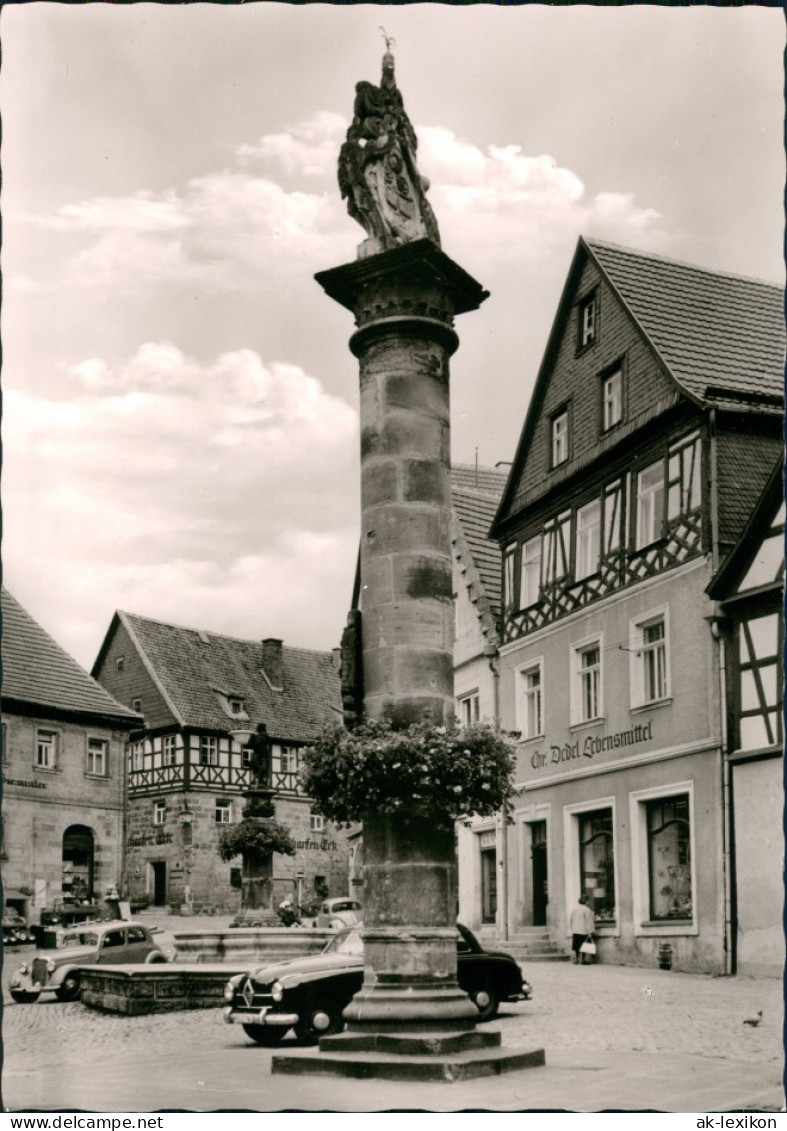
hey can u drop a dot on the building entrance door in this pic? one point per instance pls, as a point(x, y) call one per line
point(78, 862)
point(538, 852)
point(488, 885)
point(159, 882)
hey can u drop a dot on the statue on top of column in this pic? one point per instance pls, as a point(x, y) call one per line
point(378, 175)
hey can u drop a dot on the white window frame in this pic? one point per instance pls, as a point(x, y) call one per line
point(587, 321)
point(530, 573)
point(469, 705)
point(159, 813)
point(316, 823)
point(559, 433)
point(556, 561)
point(612, 398)
point(208, 750)
point(223, 813)
point(284, 759)
point(579, 649)
point(169, 750)
point(651, 501)
point(643, 925)
point(572, 875)
point(509, 576)
point(637, 653)
point(588, 541)
point(97, 753)
point(524, 693)
point(47, 748)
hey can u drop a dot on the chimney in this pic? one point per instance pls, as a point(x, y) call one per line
point(337, 659)
point(272, 666)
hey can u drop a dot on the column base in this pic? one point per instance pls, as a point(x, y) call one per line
point(411, 1009)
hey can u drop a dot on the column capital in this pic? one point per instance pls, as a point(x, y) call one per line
point(402, 281)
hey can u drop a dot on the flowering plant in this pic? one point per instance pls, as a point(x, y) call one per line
point(425, 769)
point(264, 838)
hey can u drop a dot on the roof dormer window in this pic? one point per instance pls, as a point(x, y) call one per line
point(232, 703)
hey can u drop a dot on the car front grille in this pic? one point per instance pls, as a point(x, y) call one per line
point(249, 996)
point(39, 971)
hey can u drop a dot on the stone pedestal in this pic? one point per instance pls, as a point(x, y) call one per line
point(409, 937)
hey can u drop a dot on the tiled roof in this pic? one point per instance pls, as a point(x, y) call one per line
point(38, 672)
point(191, 666)
point(474, 512)
point(490, 480)
point(717, 333)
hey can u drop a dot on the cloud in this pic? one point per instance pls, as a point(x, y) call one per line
point(512, 206)
point(240, 227)
point(196, 475)
point(310, 147)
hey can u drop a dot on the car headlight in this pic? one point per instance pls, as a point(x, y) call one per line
point(277, 991)
point(229, 991)
point(51, 966)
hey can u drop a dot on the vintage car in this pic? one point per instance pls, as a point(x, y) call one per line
point(309, 994)
point(115, 943)
point(342, 911)
point(15, 930)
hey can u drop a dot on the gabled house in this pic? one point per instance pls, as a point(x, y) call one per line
point(475, 495)
point(749, 590)
point(64, 741)
point(201, 694)
point(655, 423)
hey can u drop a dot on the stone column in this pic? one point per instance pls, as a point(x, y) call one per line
point(404, 301)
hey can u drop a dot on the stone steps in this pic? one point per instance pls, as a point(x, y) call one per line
point(531, 944)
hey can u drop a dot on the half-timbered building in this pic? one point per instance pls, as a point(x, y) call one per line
point(749, 589)
point(655, 423)
point(201, 695)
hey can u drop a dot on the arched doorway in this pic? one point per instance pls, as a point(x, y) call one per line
point(78, 862)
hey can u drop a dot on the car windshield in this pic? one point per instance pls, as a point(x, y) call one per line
point(84, 938)
point(348, 941)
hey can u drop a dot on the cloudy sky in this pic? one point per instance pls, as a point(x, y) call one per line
point(180, 407)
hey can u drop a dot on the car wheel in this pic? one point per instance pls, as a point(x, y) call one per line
point(265, 1034)
point(487, 1003)
point(322, 1020)
point(69, 989)
point(155, 957)
point(24, 997)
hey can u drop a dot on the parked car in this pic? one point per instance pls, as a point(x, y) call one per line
point(115, 943)
point(339, 912)
point(15, 929)
point(309, 994)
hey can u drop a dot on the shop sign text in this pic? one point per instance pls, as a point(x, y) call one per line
point(24, 782)
point(591, 745)
point(142, 839)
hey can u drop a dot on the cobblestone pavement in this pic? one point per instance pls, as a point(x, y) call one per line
point(596, 1009)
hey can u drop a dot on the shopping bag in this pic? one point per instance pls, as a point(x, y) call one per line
point(588, 946)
